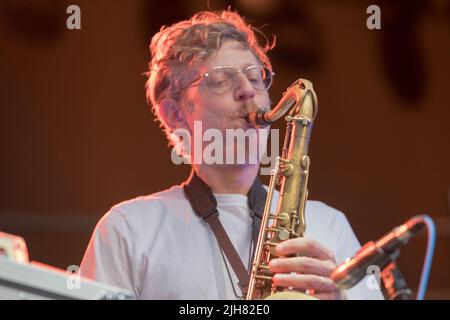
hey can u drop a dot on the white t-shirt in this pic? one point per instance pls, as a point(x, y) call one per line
point(158, 248)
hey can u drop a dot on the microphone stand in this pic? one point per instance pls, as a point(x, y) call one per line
point(393, 283)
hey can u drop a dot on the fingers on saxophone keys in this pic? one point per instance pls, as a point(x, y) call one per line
point(306, 247)
point(304, 281)
point(304, 265)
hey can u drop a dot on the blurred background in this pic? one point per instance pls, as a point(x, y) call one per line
point(77, 136)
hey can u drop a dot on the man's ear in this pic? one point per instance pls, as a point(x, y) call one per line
point(171, 113)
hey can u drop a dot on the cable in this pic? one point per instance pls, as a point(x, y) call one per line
point(431, 230)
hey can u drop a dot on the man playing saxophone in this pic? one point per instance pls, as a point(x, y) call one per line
point(211, 70)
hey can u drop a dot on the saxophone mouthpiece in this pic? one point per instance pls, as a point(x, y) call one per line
point(258, 118)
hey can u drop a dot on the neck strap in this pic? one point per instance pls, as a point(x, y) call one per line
point(204, 205)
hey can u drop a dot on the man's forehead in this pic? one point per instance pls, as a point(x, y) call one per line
point(231, 53)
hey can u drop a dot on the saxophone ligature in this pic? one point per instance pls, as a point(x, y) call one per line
point(290, 173)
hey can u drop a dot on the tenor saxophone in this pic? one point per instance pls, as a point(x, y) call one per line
point(291, 173)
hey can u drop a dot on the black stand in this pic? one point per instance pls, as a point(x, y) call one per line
point(393, 284)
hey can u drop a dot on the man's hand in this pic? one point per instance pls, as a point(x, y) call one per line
point(309, 271)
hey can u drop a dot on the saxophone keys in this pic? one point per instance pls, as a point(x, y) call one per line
point(267, 278)
point(270, 244)
point(283, 234)
point(283, 218)
point(306, 161)
point(286, 167)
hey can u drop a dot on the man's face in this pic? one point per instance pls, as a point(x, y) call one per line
point(224, 110)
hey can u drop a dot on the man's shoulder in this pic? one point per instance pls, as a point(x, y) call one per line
point(154, 207)
point(324, 216)
point(160, 199)
point(144, 213)
point(323, 209)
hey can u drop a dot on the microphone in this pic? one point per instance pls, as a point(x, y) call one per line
point(377, 253)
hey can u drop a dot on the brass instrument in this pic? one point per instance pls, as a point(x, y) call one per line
point(291, 174)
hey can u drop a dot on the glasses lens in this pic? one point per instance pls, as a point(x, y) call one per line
point(268, 77)
point(220, 79)
point(259, 77)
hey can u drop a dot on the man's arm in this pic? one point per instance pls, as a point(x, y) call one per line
point(108, 257)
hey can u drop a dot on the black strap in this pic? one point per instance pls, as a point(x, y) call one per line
point(204, 205)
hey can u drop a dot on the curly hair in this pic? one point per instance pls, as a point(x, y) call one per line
point(175, 48)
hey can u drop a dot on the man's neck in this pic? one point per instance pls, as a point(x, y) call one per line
point(228, 179)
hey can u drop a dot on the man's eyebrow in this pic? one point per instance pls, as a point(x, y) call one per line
point(245, 65)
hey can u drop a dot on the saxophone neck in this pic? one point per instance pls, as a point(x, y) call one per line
point(299, 98)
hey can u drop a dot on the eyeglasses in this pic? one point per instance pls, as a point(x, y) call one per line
point(220, 79)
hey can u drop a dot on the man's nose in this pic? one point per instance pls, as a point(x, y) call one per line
point(244, 90)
